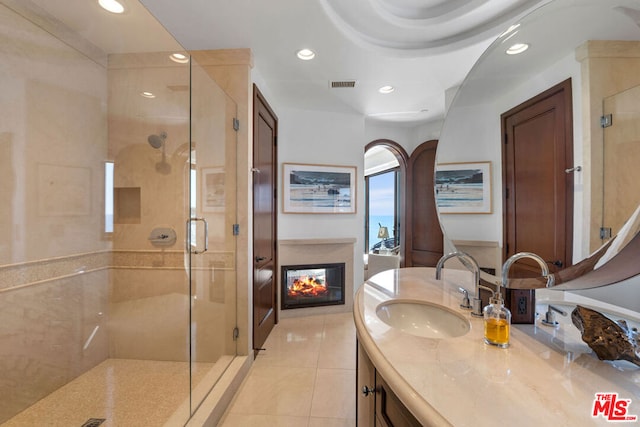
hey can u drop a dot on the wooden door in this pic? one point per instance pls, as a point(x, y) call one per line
point(538, 191)
point(424, 240)
point(265, 130)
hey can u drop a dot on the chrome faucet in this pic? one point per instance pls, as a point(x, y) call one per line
point(472, 265)
point(550, 317)
point(520, 255)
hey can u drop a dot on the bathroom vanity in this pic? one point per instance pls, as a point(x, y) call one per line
point(547, 375)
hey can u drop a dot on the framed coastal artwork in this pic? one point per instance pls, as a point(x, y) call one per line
point(318, 189)
point(463, 188)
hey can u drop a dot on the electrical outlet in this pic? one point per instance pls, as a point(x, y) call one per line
point(522, 305)
point(521, 302)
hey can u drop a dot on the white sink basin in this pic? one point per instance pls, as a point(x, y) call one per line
point(423, 319)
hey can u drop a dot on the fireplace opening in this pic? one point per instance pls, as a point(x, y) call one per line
point(312, 285)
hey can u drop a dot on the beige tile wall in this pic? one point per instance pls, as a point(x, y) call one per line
point(53, 252)
point(51, 333)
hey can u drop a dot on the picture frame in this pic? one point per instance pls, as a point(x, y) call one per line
point(463, 188)
point(318, 189)
point(213, 189)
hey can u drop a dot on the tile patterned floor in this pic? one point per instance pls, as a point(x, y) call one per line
point(304, 378)
point(125, 392)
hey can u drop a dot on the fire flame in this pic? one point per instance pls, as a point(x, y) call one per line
point(307, 286)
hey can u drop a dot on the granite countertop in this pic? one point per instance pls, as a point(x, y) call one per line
point(547, 376)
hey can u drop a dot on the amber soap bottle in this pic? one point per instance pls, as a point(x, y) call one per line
point(497, 322)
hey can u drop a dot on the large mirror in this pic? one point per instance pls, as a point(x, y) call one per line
point(500, 189)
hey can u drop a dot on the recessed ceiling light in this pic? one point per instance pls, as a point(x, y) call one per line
point(147, 94)
point(517, 48)
point(386, 89)
point(112, 6)
point(306, 54)
point(180, 58)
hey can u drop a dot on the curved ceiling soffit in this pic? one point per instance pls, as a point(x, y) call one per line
point(415, 27)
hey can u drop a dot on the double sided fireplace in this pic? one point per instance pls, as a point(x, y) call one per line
point(312, 285)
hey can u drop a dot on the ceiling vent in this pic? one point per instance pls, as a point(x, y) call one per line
point(342, 84)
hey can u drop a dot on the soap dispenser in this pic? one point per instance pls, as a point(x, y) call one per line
point(497, 322)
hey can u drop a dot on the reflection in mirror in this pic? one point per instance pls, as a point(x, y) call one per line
point(593, 47)
point(621, 154)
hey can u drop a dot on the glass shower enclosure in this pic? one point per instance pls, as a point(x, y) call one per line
point(621, 154)
point(118, 189)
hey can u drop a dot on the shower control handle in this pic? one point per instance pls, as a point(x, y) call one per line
point(206, 235)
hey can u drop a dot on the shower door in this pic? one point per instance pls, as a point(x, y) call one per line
point(621, 158)
point(174, 160)
point(211, 241)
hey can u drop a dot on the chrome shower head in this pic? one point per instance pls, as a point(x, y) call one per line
point(157, 141)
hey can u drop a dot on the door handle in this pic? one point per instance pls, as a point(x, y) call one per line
point(206, 235)
point(260, 258)
point(573, 169)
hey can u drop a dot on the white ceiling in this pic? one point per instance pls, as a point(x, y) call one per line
point(421, 47)
point(134, 31)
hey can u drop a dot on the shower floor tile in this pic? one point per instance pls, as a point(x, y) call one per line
point(124, 392)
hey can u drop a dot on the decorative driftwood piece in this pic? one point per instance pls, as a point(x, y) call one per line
point(611, 340)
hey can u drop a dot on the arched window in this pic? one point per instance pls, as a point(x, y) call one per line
point(385, 174)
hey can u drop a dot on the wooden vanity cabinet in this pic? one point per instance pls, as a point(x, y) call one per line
point(365, 377)
point(379, 407)
point(390, 412)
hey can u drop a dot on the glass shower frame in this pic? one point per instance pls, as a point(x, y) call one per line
point(621, 154)
point(81, 301)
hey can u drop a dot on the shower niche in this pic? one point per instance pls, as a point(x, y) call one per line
point(126, 205)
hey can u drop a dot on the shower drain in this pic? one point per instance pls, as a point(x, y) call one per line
point(93, 422)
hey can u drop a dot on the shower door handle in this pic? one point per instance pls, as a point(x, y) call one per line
point(206, 235)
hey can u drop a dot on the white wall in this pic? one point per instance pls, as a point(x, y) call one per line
point(374, 130)
point(258, 80)
point(319, 137)
point(623, 294)
point(408, 136)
